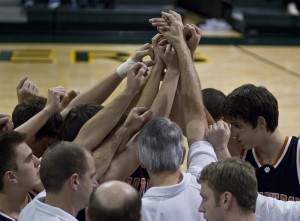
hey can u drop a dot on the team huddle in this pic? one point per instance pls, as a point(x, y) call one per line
point(68, 157)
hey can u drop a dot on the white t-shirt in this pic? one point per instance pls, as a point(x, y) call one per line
point(36, 210)
point(270, 209)
point(180, 201)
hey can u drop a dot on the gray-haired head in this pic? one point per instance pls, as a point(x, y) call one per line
point(161, 145)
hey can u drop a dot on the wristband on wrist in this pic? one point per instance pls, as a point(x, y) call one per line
point(123, 68)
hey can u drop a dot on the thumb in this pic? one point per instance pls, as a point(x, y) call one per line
point(146, 116)
point(149, 63)
point(19, 86)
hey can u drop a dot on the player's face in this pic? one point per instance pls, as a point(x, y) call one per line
point(28, 170)
point(246, 136)
point(209, 207)
point(88, 181)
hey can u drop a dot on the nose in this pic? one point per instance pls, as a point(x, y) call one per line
point(36, 161)
point(201, 208)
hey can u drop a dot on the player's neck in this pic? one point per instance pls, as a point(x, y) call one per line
point(61, 201)
point(240, 215)
point(165, 178)
point(270, 147)
point(12, 204)
point(243, 218)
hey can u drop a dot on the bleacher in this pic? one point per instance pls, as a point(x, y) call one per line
point(251, 17)
point(259, 17)
point(129, 19)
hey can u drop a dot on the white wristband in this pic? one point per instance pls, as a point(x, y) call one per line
point(123, 68)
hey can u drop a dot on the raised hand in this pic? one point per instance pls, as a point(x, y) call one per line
point(170, 25)
point(55, 96)
point(192, 36)
point(6, 123)
point(26, 89)
point(68, 98)
point(142, 52)
point(137, 118)
point(135, 76)
point(218, 134)
point(170, 58)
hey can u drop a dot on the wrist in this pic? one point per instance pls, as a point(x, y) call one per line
point(222, 152)
point(49, 111)
point(123, 68)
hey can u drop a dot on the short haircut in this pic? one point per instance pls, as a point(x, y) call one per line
point(214, 101)
point(128, 211)
point(27, 109)
point(8, 142)
point(248, 102)
point(235, 176)
point(59, 162)
point(76, 118)
point(161, 146)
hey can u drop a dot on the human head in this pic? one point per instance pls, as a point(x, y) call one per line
point(223, 182)
point(18, 164)
point(60, 162)
point(114, 201)
point(50, 132)
point(161, 146)
point(76, 118)
point(214, 101)
point(249, 102)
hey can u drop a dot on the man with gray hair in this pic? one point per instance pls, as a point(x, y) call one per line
point(161, 147)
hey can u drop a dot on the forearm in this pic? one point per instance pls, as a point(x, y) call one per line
point(190, 90)
point(123, 165)
point(209, 118)
point(98, 127)
point(34, 124)
point(96, 94)
point(163, 102)
point(151, 88)
point(137, 97)
point(190, 84)
point(111, 146)
point(177, 113)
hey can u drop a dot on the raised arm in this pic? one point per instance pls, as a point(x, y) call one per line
point(34, 124)
point(170, 25)
point(26, 89)
point(218, 135)
point(162, 105)
point(192, 36)
point(103, 155)
point(99, 126)
point(152, 86)
point(101, 91)
point(126, 162)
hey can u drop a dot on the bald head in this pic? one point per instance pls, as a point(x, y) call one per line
point(114, 201)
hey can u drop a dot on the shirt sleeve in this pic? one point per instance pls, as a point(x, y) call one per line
point(270, 209)
point(201, 153)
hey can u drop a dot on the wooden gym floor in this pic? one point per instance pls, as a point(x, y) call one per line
point(221, 67)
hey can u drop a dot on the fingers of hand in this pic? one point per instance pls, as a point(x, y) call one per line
point(21, 83)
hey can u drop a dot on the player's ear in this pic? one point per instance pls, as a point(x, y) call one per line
point(10, 177)
point(226, 200)
point(261, 122)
